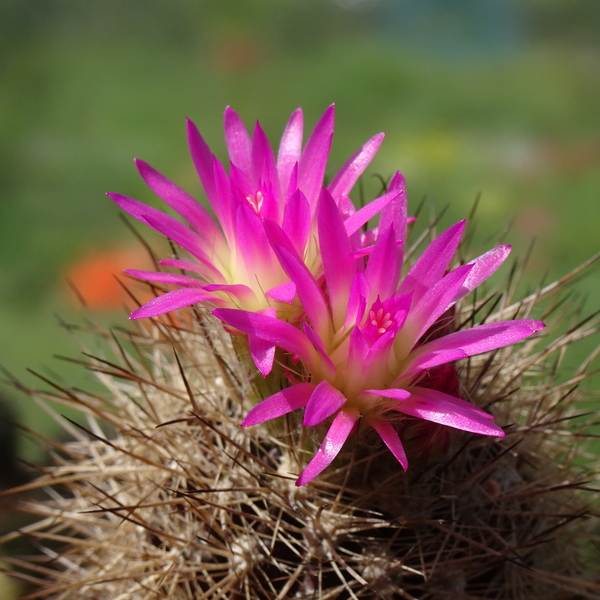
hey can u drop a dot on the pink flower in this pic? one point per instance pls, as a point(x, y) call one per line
point(364, 346)
point(230, 261)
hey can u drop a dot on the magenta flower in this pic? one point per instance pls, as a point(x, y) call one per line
point(365, 347)
point(230, 262)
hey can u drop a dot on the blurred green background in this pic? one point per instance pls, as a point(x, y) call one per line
point(497, 97)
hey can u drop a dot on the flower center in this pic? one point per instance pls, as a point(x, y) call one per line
point(380, 320)
point(256, 202)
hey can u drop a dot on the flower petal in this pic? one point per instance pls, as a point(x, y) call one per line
point(433, 263)
point(313, 161)
point(238, 141)
point(338, 263)
point(297, 220)
point(265, 174)
point(395, 214)
point(332, 443)
point(383, 268)
point(188, 242)
point(432, 305)
point(440, 411)
point(357, 301)
point(353, 168)
point(263, 354)
point(279, 404)
point(395, 393)
point(469, 342)
point(226, 203)
point(237, 291)
point(284, 292)
point(483, 267)
point(437, 395)
point(391, 439)
point(309, 292)
point(290, 148)
point(168, 278)
point(169, 227)
point(254, 249)
point(180, 201)
point(328, 368)
point(325, 401)
point(203, 161)
point(138, 210)
point(206, 272)
point(173, 301)
point(263, 159)
point(353, 223)
point(357, 352)
point(278, 332)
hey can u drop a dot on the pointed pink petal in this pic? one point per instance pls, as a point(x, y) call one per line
point(263, 159)
point(433, 263)
point(188, 243)
point(169, 278)
point(185, 265)
point(243, 188)
point(357, 302)
point(180, 201)
point(442, 396)
point(207, 273)
point(330, 447)
point(293, 184)
point(309, 292)
point(253, 247)
point(376, 362)
point(354, 167)
point(358, 349)
point(395, 214)
point(383, 267)
point(284, 292)
point(239, 292)
point(263, 354)
point(483, 267)
point(203, 161)
point(227, 204)
point(313, 161)
point(469, 342)
point(137, 209)
point(451, 414)
point(238, 141)
point(265, 176)
point(328, 369)
point(273, 330)
point(279, 404)
point(290, 148)
point(168, 226)
point(173, 301)
point(434, 303)
point(179, 233)
point(391, 439)
point(395, 393)
point(338, 263)
point(325, 401)
point(355, 371)
point(297, 220)
point(353, 223)
point(278, 237)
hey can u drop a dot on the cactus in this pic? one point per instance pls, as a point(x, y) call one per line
point(160, 494)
